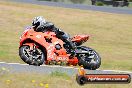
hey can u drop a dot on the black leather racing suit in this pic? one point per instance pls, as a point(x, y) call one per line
point(48, 26)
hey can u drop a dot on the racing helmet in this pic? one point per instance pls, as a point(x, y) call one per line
point(37, 21)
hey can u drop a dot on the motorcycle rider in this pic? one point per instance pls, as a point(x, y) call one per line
point(39, 24)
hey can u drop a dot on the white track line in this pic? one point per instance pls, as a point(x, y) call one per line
point(69, 67)
point(117, 71)
point(12, 63)
point(41, 65)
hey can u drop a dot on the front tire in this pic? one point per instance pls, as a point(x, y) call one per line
point(32, 58)
point(91, 61)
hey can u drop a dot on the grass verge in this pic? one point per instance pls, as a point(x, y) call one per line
point(53, 80)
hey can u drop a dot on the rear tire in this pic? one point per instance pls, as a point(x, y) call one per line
point(27, 56)
point(88, 63)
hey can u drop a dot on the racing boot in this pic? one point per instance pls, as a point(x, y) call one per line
point(72, 47)
point(72, 51)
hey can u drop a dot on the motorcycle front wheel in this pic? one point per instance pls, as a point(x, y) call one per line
point(32, 57)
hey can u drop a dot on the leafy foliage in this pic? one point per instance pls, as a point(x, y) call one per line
point(99, 3)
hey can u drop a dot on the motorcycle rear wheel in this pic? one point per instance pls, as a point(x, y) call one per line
point(90, 63)
point(30, 57)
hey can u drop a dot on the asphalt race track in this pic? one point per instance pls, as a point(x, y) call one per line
point(118, 10)
point(47, 69)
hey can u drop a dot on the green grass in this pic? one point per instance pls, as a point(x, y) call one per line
point(53, 80)
point(130, 4)
point(60, 74)
point(111, 34)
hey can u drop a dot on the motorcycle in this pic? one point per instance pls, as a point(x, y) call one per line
point(37, 48)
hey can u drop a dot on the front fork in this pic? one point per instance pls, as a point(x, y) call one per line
point(33, 46)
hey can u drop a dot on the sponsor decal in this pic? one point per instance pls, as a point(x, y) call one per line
point(38, 36)
point(83, 78)
point(62, 58)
